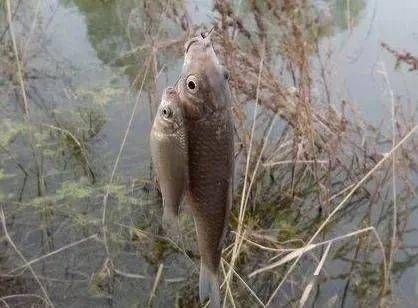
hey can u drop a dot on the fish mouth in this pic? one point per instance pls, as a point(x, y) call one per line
point(170, 94)
point(204, 36)
point(207, 34)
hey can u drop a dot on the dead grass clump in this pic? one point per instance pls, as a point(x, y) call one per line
point(323, 160)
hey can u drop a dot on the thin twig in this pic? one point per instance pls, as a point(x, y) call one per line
point(300, 251)
point(4, 302)
point(405, 57)
point(32, 29)
point(156, 281)
point(16, 53)
point(245, 284)
point(395, 207)
point(13, 296)
point(94, 236)
point(286, 162)
point(74, 138)
point(309, 287)
point(128, 128)
point(9, 239)
point(129, 275)
point(13, 16)
point(115, 165)
point(238, 241)
point(339, 206)
point(12, 157)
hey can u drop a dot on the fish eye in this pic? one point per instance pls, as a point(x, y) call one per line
point(192, 84)
point(166, 112)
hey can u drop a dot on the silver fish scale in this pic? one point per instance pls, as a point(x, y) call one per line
point(210, 144)
point(168, 143)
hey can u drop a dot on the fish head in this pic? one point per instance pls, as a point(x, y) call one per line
point(169, 118)
point(203, 85)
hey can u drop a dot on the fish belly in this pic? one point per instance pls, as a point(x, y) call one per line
point(170, 165)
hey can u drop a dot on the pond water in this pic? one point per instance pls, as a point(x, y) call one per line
point(93, 89)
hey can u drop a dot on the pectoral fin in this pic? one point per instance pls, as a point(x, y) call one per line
point(170, 222)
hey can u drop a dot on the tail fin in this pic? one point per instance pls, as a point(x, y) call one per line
point(209, 287)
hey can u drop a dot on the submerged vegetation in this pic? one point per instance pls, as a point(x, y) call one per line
point(325, 199)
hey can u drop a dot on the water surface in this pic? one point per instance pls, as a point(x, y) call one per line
point(90, 75)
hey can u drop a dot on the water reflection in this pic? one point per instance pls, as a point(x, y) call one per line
point(83, 70)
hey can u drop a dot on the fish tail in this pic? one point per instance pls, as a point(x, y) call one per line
point(209, 287)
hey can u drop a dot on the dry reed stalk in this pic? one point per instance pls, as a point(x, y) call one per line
point(4, 298)
point(244, 283)
point(9, 239)
point(339, 206)
point(238, 240)
point(24, 266)
point(309, 287)
point(18, 65)
point(296, 253)
point(393, 242)
point(155, 285)
point(115, 165)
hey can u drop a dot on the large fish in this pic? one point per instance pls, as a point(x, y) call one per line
point(168, 142)
point(205, 95)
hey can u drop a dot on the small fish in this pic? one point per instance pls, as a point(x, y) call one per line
point(168, 143)
point(206, 99)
